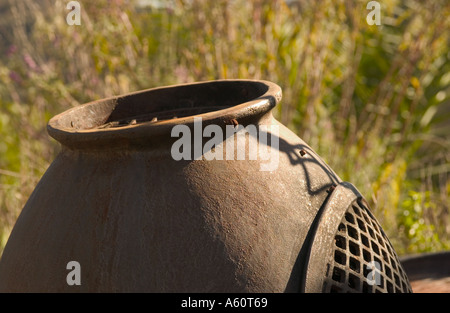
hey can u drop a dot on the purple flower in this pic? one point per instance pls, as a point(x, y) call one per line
point(11, 50)
point(30, 62)
point(15, 77)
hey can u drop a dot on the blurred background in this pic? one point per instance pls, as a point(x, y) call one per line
point(372, 100)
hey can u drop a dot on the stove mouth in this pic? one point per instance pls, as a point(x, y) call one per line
point(154, 112)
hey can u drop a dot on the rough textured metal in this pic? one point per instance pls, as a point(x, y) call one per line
point(349, 251)
point(363, 259)
point(137, 220)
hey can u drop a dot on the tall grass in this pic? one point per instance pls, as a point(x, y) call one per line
point(373, 101)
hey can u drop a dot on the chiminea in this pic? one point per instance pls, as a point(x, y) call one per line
point(193, 188)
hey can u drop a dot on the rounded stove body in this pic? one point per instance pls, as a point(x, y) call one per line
point(137, 218)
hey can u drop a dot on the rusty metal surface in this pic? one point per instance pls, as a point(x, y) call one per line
point(349, 251)
point(137, 220)
point(115, 201)
point(323, 233)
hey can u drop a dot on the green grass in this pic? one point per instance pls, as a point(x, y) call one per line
point(373, 101)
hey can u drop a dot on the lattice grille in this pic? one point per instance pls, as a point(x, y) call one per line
point(363, 259)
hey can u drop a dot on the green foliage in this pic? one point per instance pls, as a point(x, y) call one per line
point(373, 101)
point(419, 223)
